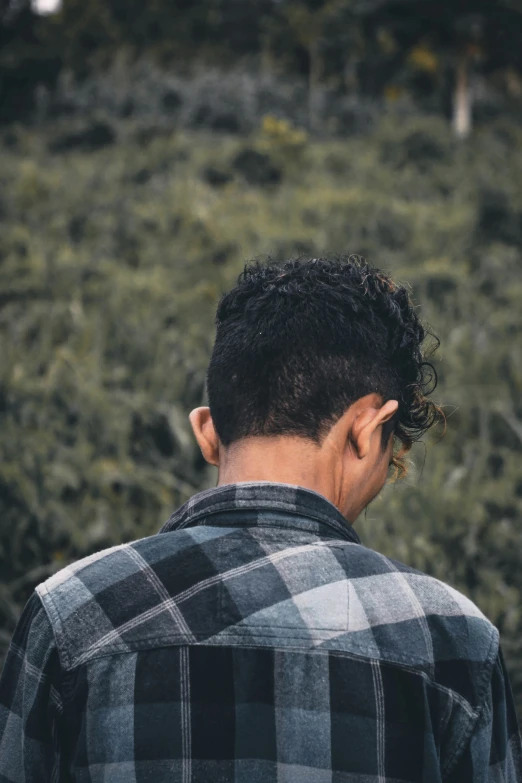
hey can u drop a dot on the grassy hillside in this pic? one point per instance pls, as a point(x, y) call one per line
point(116, 239)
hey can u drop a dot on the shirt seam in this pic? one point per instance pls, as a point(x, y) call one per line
point(410, 667)
point(486, 675)
point(177, 640)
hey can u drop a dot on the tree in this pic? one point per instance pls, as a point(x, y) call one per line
point(91, 32)
point(25, 60)
point(319, 28)
point(472, 34)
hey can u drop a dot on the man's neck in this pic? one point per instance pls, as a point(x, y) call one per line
point(285, 460)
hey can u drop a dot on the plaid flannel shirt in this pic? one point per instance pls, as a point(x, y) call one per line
point(255, 639)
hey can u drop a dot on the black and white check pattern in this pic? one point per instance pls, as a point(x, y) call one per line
point(254, 639)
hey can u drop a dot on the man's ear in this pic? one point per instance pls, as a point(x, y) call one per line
point(205, 434)
point(366, 424)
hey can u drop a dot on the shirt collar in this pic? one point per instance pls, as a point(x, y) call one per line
point(302, 509)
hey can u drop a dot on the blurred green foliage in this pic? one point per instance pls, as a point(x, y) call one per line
point(116, 240)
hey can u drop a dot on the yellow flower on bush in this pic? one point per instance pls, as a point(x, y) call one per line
point(424, 59)
point(283, 133)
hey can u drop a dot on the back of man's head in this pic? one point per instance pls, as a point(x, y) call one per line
point(300, 341)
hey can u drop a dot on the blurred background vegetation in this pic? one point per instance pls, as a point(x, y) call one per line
point(148, 149)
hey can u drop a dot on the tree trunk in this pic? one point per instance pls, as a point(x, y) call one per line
point(462, 118)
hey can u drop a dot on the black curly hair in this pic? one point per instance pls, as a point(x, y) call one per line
point(299, 341)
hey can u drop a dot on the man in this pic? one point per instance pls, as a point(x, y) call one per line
point(255, 639)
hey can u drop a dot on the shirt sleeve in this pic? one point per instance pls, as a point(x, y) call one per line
point(494, 750)
point(30, 702)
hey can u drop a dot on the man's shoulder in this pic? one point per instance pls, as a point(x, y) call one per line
point(413, 618)
point(93, 603)
point(266, 588)
point(100, 570)
point(387, 584)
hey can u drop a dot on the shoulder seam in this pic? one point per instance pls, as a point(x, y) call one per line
point(55, 621)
